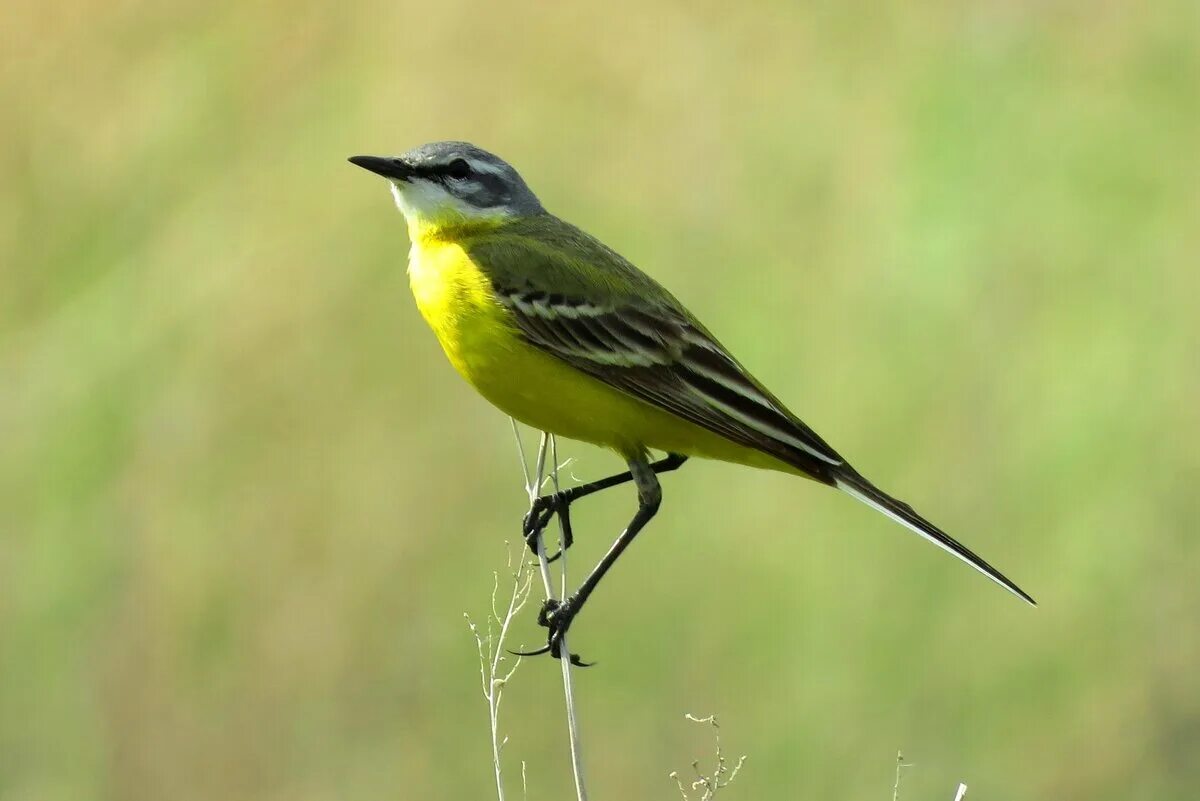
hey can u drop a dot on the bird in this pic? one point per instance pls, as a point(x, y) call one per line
point(560, 332)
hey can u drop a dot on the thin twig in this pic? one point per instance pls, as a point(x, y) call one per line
point(492, 653)
point(533, 485)
point(722, 775)
point(900, 763)
point(564, 655)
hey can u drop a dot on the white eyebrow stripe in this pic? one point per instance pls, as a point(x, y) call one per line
point(484, 166)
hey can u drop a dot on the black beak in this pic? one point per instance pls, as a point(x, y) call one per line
point(387, 167)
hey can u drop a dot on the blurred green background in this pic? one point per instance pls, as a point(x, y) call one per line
point(244, 502)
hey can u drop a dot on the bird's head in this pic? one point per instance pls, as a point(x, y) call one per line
point(452, 183)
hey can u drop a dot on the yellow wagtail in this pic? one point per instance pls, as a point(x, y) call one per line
point(563, 334)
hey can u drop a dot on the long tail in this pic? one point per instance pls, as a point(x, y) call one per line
point(850, 482)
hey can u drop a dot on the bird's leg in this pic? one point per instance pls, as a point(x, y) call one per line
point(557, 615)
point(545, 507)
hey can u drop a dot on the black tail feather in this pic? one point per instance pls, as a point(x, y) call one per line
point(849, 481)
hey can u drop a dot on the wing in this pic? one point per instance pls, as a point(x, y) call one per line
point(589, 307)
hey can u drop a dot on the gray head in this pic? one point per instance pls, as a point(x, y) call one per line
point(447, 180)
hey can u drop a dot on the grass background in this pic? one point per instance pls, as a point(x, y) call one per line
point(244, 501)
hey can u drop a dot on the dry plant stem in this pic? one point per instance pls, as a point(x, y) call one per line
point(492, 654)
point(959, 795)
point(564, 655)
point(722, 776)
point(533, 485)
point(900, 764)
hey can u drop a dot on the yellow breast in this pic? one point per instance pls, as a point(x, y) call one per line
point(456, 299)
point(483, 344)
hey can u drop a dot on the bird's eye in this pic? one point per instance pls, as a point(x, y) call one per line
point(458, 169)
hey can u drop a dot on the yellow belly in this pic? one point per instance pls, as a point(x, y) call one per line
point(482, 343)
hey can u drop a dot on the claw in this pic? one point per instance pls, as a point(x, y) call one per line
point(545, 649)
point(556, 616)
point(564, 515)
point(539, 516)
point(574, 659)
point(533, 526)
point(568, 536)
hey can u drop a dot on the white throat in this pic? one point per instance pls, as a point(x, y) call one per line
point(421, 201)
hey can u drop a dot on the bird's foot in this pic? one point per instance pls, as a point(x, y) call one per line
point(556, 616)
point(539, 516)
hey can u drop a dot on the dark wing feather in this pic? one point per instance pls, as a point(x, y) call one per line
point(665, 359)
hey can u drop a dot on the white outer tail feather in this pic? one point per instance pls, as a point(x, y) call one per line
point(858, 495)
